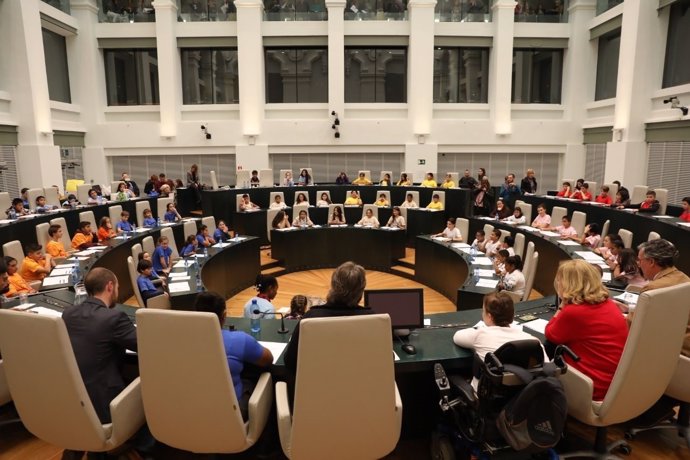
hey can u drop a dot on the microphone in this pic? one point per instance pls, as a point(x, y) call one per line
point(283, 329)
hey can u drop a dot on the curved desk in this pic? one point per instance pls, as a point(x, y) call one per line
point(330, 246)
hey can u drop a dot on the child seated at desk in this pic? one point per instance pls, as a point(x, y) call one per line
point(35, 266)
point(84, 238)
point(203, 238)
point(54, 246)
point(480, 240)
point(18, 285)
point(105, 229)
point(222, 232)
point(155, 278)
point(149, 221)
point(161, 257)
point(41, 205)
point(144, 283)
point(124, 225)
point(190, 246)
point(171, 214)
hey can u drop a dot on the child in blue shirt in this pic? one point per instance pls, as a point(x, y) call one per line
point(144, 283)
point(154, 277)
point(190, 246)
point(161, 256)
point(41, 205)
point(222, 233)
point(124, 225)
point(203, 238)
point(171, 214)
point(149, 221)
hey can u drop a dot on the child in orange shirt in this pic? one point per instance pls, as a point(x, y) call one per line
point(18, 284)
point(54, 247)
point(105, 230)
point(35, 266)
point(84, 238)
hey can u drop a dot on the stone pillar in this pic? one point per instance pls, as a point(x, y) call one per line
point(250, 56)
point(336, 56)
point(420, 66)
point(501, 66)
point(170, 79)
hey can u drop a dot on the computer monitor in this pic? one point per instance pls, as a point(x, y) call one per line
point(405, 306)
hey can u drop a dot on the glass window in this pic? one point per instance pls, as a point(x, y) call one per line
point(131, 76)
point(607, 65)
point(209, 76)
point(463, 11)
point(461, 75)
point(62, 5)
point(605, 5)
point(375, 74)
point(677, 64)
point(207, 10)
point(376, 10)
point(296, 75)
point(126, 11)
point(537, 76)
point(541, 11)
point(55, 51)
point(295, 10)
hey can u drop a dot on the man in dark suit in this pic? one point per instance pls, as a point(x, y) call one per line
point(100, 335)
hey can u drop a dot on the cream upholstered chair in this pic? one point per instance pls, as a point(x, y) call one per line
point(644, 371)
point(613, 189)
point(265, 177)
point(365, 373)
point(390, 174)
point(330, 210)
point(529, 255)
point(114, 214)
point(87, 216)
point(281, 179)
point(52, 195)
point(386, 193)
point(167, 231)
point(66, 240)
point(210, 222)
point(638, 194)
point(136, 250)
point(242, 178)
point(662, 197)
point(114, 185)
point(519, 245)
point(272, 198)
point(415, 197)
point(653, 236)
point(311, 174)
point(83, 193)
point(626, 236)
point(159, 301)
point(162, 204)
point(374, 210)
point(593, 188)
point(189, 228)
point(139, 208)
point(604, 231)
point(504, 233)
point(32, 194)
point(238, 201)
point(14, 249)
point(463, 225)
point(557, 213)
point(579, 221)
point(488, 228)
point(270, 215)
point(526, 209)
point(367, 173)
point(454, 176)
point(529, 271)
point(441, 197)
point(570, 181)
point(32, 364)
point(186, 386)
point(410, 177)
point(214, 180)
point(148, 245)
point(42, 234)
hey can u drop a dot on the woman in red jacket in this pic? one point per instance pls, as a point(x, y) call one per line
point(686, 209)
point(589, 323)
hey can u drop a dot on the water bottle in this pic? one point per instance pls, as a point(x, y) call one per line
point(199, 286)
point(255, 318)
point(205, 251)
point(473, 250)
point(475, 276)
point(12, 214)
point(158, 222)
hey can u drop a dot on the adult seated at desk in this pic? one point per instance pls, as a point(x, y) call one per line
point(429, 181)
point(685, 216)
point(650, 205)
point(583, 194)
point(382, 202)
point(84, 238)
point(514, 279)
point(337, 217)
point(42, 206)
point(386, 181)
point(361, 180)
point(149, 221)
point(301, 199)
point(498, 312)
point(656, 260)
point(528, 184)
point(222, 232)
point(17, 209)
point(302, 219)
point(565, 230)
point(353, 199)
point(204, 238)
point(124, 225)
point(467, 181)
point(435, 204)
point(324, 201)
point(190, 246)
point(267, 289)
point(396, 220)
point(106, 230)
point(144, 283)
point(348, 282)
point(403, 181)
point(18, 285)
point(281, 220)
point(604, 197)
point(369, 220)
point(543, 220)
point(448, 182)
point(565, 191)
point(240, 349)
point(493, 245)
point(590, 237)
point(162, 256)
point(451, 231)
point(588, 322)
point(247, 205)
point(516, 218)
point(501, 211)
point(171, 214)
point(54, 246)
point(278, 202)
point(409, 202)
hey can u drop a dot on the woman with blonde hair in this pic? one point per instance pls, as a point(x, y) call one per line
point(589, 323)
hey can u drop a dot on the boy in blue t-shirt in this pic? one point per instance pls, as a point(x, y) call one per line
point(190, 246)
point(161, 256)
point(149, 221)
point(171, 214)
point(124, 225)
point(144, 283)
point(222, 233)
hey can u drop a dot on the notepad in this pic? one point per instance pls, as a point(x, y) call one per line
point(568, 243)
point(55, 280)
point(487, 283)
point(220, 245)
point(550, 234)
point(178, 287)
point(59, 271)
point(537, 325)
point(276, 348)
point(484, 273)
point(482, 261)
point(46, 311)
point(589, 256)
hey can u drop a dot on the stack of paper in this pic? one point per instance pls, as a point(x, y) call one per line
point(59, 270)
point(55, 280)
point(482, 261)
point(178, 287)
point(537, 325)
point(484, 273)
point(276, 348)
point(568, 243)
point(487, 283)
point(46, 311)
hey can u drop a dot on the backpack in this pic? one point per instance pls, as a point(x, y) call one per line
point(534, 419)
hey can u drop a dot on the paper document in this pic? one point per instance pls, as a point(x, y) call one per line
point(395, 356)
point(220, 245)
point(628, 297)
point(276, 348)
point(484, 273)
point(537, 325)
point(663, 217)
point(178, 274)
point(238, 238)
point(487, 283)
point(98, 248)
point(141, 229)
point(606, 277)
point(589, 256)
point(459, 245)
point(550, 234)
point(440, 238)
point(178, 287)
point(167, 224)
point(183, 263)
point(684, 224)
point(482, 261)
point(527, 228)
point(85, 253)
point(427, 321)
point(46, 311)
point(55, 280)
point(184, 277)
point(568, 243)
point(59, 271)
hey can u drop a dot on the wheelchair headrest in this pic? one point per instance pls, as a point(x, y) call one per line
point(524, 353)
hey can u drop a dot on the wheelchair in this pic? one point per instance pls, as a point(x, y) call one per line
point(468, 426)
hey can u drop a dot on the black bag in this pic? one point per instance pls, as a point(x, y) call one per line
point(534, 419)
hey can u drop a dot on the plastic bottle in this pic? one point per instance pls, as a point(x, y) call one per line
point(205, 251)
point(158, 222)
point(255, 318)
point(199, 286)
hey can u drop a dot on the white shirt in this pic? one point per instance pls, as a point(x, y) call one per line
point(409, 204)
point(515, 282)
point(369, 221)
point(280, 205)
point(452, 233)
point(492, 248)
point(515, 220)
point(396, 222)
point(322, 204)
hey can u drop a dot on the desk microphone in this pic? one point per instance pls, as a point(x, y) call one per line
point(283, 329)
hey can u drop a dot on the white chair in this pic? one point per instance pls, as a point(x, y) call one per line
point(570, 181)
point(330, 210)
point(281, 179)
point(504, 234)
point(311, 174)
point(159, 301)
point(162, 204)
point(114, 214)
point(14, 249)
point(488, 228)
point(270, 215)
point(210, 222)
point(66, 240)
point(415, 197)
point(593, 188)
point(365, 373)
point(410, 177)
point(374, 210)
point(367, 173)
point(52, 195)
point(139, 208)
point(148, 245)
point(238, 201)
point(136, 250)
point(272, 198)
point(526, 209)
point(265, 177)
point(113, 188)
point(87, 216)
point(604, 231)
point(662, 198)
point(167, 231)
point(186, 386)
point(386, 193)
point(653, 236)
point(613, 189)
point(321, 192)
point(214, 180)
point(529, 275)
point(390, 174)
point(31, 365)
point(579, 222)
point(519, 245)
point(626, 236)
point(645, 369)
point(639, 193)
point(463, 225)
point(5, 201)
point(441, 197)
point(529, 256)
point(454, 176)
point(32, 194)
point(83, 193)
point(306, 196)
point(188, 228)
point(242, 178)
point(42, 234)
point(557, 214)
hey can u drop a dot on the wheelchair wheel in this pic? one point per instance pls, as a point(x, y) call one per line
point(442, 447)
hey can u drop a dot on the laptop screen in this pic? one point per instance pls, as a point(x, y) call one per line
point(405, 306)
